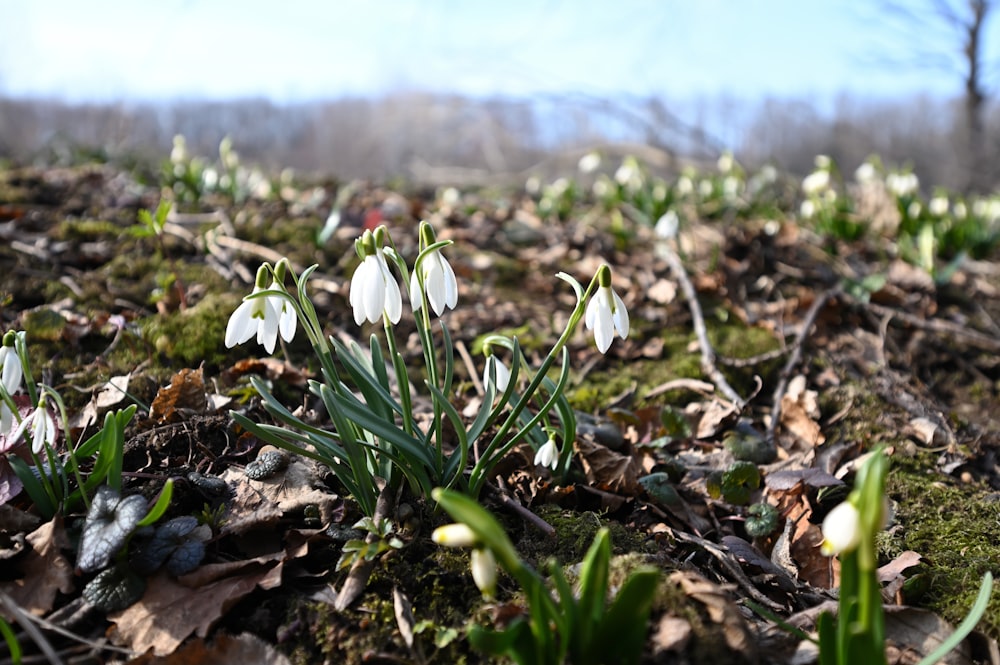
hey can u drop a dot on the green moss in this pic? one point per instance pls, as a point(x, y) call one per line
point(953, 527)
point(87, 230)
point(194, 335)
point(678, 361)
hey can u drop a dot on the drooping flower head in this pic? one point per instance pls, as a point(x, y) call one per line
point(255, 316)
point(606, 312)
point(841, 529)
point(548, 454)
point(432, 276)
point(374, 290)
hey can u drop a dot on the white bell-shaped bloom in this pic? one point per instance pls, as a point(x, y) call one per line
point(484, 571)
point(374, 291)
point(41, 426)
point(606, 314)
point(548, 455)
point(455, 535)
point(500, 371)
point(254, 316)
point(11, 372)
point(437, 277)
point(841, 529)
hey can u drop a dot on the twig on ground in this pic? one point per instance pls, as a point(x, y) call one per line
point(698, 321)
point(508, 501)
point(793, 359)
point(26, 622)
point(972, 337)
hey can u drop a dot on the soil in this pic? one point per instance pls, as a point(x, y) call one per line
point(801, 370)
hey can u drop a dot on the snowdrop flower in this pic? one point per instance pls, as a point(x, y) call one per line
point(815, 182)
point(11, 375)
point(484, 571)
point(374, 291)
point(807, 209)
point(455, 535)
point(548, 455)
point(589, 162)
point(499, 370)
point(938, 206)
point(606, 312)
point(725, 162)
point(685, 186)
point(865, 173)
point(841, 530)
point(42, 426)
point(666, 226)
point(434, 276)
point(11, 372)
point(257, 316)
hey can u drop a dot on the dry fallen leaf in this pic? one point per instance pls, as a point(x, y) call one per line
point(721, 611)
point(607, 469)
point(185, 395)
point(45, 570)
point(799, 412)
point(225, 649)
point(169, 612)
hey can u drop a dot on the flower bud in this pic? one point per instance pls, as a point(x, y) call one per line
point(484, 571)
point(454, 535)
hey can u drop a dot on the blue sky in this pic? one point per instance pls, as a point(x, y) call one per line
point(289, 50)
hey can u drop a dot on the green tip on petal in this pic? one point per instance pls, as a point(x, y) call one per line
point(9, 338)
point(280, 270)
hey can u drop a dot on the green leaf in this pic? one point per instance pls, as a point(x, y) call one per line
point(12, 644)
point(161, 505)
point(33, 486)
point(622, 633)
point(594, 582)
point(487, 530)
point(967, 625)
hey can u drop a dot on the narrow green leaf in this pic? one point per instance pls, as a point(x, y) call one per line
point(161, 505)
point(622, 632)
point(12, 644)
point(968, 624)
point(594, 581)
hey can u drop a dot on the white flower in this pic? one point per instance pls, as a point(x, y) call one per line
point(500, 371)
point(816, 182)
point(438, 280)
point(666, 226)
point(254, 316)
point(865, 173)
point(938, 206)
point(11, 372)
point(725, 162)
point(589, 162)
point(454, 535)
point(605, 314)
point(374, 291)
point(42, 426)
point(548, 455)
point(807, 209)
point(841, 529)
point(484, 571)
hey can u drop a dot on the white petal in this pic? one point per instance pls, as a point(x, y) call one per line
point(287, 322)
point(267, 328)
point(393, 299)
point(604, 329)
point(373, 290)
point(11, 373)
point(620, 316)
point(416, 301)
point(450, 285)
point(591, 314)
point(841, 529)
point(434, 276)
point(240, 327)
point(484, 571)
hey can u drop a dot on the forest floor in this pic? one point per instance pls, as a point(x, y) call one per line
point(815, 349)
